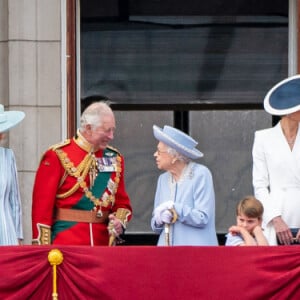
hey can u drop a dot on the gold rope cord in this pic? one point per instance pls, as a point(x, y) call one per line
point(55, 258)
point(81, 171)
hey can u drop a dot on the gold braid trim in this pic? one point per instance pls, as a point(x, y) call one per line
point(113, 149)
point(61, 144)
point(81, 171)
point(44, 237)
point(122, 214)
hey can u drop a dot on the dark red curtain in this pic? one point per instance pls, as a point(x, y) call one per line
point(149, 272)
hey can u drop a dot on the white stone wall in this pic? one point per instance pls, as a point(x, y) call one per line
point(30, 80)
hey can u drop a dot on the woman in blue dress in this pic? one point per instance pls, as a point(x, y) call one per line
point(11, 232)
point(184, 205)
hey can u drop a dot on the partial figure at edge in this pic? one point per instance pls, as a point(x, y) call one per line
point(11, 229)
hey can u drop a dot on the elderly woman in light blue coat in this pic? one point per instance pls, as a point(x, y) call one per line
point(184, 205)
point(11, 232)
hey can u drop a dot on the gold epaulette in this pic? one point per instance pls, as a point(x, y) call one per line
point(61, 144)
point(56, 146)
point(114, 149)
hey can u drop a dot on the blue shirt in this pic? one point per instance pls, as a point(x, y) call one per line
point(234, 240)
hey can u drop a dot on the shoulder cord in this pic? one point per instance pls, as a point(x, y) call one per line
point(79, 172)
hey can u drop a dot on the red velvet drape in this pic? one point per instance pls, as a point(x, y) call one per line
point(149, 272)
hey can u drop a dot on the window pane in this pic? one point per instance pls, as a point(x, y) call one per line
point(184, 59)
point(134, 139)
point(226, 138)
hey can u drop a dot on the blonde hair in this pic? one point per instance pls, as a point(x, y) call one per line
point(250, 207)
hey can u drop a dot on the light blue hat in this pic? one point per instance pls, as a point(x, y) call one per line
point(9, 119)
point(284, 97)
point(178, 140)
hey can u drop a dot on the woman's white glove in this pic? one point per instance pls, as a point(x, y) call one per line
point(165, 205)
point(162, 213)
point(166, 216)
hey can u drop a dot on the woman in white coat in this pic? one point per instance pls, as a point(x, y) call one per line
point(276, 164)
point(11, 232)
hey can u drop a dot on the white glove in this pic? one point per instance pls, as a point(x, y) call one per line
point(164, 206)
point(157, 218)
point(166, 216)
point(161, 213)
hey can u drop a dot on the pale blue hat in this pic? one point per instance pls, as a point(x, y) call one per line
point(284, 97)
point(9, 119)
point(178, 140)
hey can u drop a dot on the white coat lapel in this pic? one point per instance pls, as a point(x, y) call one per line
point(292, 157)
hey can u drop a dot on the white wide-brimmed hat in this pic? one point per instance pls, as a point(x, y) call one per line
point(178, 140)
point(284, 97)
point(9, 119)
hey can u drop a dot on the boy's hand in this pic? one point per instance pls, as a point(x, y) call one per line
point(234, 230)
point(257, 230)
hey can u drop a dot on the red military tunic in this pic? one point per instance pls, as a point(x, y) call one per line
point(63, 181)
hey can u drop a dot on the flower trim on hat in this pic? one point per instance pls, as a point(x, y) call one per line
point(179, 145)
point(195, 153)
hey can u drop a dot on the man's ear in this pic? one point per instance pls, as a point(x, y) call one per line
point(88, 128)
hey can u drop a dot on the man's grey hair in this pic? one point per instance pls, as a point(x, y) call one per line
point(94, 114)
